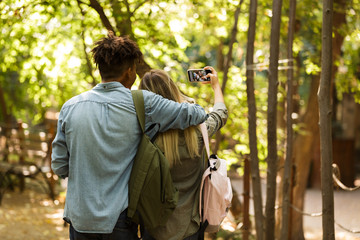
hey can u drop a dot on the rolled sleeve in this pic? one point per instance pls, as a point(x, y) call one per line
point(217, 118)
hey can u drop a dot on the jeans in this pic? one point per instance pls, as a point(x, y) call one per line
point(124, 229)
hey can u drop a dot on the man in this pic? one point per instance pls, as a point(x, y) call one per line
point(97, 138)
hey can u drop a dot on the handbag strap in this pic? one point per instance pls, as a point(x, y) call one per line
point(207, 172)
point(205, 136)
point(206, 142)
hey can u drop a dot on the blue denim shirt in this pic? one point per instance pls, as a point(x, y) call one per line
point(96, 141)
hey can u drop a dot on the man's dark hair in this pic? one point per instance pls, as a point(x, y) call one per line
point(113, 55)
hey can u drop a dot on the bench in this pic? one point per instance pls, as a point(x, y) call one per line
point(26, 153)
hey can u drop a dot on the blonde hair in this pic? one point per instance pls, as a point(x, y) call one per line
point(159, 82)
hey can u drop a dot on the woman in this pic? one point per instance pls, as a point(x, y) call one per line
point(183, 149)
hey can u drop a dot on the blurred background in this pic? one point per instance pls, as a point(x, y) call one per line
point(45, 59)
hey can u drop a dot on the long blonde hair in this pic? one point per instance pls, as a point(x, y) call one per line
point(159, 82)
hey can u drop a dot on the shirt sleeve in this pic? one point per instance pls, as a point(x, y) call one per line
point(217, 118)
point(162, 114)
point(60, 153)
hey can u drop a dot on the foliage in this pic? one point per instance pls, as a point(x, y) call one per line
point(348, 76)
point(40, 64)
point(45, 51)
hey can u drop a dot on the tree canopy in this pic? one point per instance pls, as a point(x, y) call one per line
point(45, 53)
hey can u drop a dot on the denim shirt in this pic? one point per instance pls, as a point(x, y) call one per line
point(96, 141)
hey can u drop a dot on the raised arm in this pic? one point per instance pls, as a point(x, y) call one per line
point(218, 116)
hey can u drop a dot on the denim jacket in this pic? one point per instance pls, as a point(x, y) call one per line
point(96, 141)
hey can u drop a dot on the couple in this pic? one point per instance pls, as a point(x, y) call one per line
point(97, 138)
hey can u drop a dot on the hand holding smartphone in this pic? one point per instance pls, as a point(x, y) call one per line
point(198, 75)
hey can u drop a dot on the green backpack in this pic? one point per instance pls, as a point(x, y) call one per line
point(152, 195)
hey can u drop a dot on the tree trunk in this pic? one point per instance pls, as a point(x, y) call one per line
point(246, 205)
point(220, 56)
point(303, 152)
point(325, 123)
point(272, 121)
point(142, 67)
point(122, 16)
point(304, 144)
point(254, 160)
point(4, 111)
point(289, 131)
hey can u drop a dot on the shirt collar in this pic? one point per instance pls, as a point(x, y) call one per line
point(108, 85)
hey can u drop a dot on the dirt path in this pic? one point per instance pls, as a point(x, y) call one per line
point(346, 208)
point(32, 216)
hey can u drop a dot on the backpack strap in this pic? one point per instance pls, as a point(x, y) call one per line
point(138, 99)
point(140, 110)
point(203, 226)
point(139, 107)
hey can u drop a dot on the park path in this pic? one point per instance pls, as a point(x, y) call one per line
point(347, 211)
point(32, 216)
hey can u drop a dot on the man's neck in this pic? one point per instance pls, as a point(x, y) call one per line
point(120, 80)
point(111, 80)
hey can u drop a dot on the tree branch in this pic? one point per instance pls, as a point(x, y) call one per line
point(231, 44)
point(138, 6)
point(127, 6)
point(97, 7)
point(81, 2)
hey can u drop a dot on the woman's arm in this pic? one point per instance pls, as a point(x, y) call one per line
point(218, 116)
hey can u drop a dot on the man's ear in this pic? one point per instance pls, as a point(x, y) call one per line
point(129, 71)
point(128, 78)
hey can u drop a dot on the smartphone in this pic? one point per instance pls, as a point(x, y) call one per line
point(198, 75)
